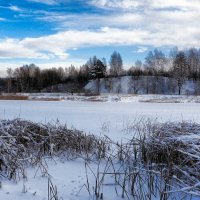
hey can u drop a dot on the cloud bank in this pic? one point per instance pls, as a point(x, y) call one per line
point(155, 23)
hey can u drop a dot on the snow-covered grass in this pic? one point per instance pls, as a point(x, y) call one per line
point(24, 144)
point(174, 148)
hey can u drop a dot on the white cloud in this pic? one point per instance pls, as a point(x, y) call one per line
point(141, 50)
point(12, 7)
point(146, 4)
point(126, 4)
point(56, 45)
point(154, 25)
point(2, 19)
point(12, 48)
point(15, 64)
point(47, 2)
point(150, 18)
point(162, 27)
point(85, 21)
point(15, 8)
point(181, 4)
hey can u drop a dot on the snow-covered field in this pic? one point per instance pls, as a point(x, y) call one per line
point(91, 116)
point(99, 118)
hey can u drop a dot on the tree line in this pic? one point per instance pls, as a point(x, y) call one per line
point(181, 65)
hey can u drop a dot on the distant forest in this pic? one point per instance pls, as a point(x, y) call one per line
point(182, 65)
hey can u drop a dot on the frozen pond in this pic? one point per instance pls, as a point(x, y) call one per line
point(90, 116)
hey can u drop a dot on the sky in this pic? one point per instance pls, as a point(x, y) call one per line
point(52, 33)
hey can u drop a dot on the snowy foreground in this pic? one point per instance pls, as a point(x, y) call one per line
point(114, 119)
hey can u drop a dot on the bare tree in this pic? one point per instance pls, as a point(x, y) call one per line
point(9, 81)
point(193, 61)
point(180, 70)
point(155, 62)
point(116, 64)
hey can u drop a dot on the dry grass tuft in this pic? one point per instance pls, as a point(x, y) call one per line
point(45, 99)
point(161, 162)
point(24, 143)
point(175, 147)
point(13, 97)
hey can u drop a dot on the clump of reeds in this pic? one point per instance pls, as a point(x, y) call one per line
point(24, 143)
point(174, 149)
point(161, 161)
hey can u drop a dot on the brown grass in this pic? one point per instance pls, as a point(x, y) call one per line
point(13, 97)
point(21, 97)
point(46, 99)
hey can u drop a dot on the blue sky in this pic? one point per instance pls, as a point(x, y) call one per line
point(59, 32)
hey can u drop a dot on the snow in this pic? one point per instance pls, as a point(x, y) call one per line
point(91, 116)
point(69, 178)
point(68, 182)
point(111, 118)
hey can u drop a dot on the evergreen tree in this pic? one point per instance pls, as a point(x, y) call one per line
point(97, 68)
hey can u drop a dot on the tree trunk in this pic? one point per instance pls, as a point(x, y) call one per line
point(98, 86)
